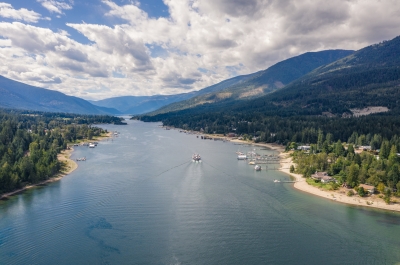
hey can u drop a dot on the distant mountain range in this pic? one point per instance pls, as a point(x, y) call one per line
point(236, 88)
point(144, 104)
point(367, 78)
point(16, 95)
point(260, 83)
point(21, 96)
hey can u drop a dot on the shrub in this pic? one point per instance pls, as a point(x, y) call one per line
point(361, 191)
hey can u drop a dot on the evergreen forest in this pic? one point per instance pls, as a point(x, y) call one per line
point(30, 142)
point(377, 164)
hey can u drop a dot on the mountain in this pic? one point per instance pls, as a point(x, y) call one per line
point(144, 104)
point(236, 88)
point(331, 103)
point(368, 78)
point(365, 82)
point(262, 82)
point(139, 104)
point(16, 95)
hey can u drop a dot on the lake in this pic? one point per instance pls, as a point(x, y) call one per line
point(139, 199)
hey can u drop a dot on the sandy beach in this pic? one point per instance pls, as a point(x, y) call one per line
point(68, 166)
point(338, 195)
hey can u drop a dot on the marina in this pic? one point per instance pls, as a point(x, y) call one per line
point(256, 159)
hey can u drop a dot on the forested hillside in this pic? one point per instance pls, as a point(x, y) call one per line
point(30, 142)
point(369, 77)
point(258, 84)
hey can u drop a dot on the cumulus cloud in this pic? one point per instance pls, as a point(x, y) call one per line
point(23, 14)
point(116, 42)
point(56, 6)
point(199, 44)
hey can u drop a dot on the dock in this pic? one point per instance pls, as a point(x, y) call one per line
point(284, 181)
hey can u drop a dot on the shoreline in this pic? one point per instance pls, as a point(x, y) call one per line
point(68, 167)
point(339, 195)
point(300, 184)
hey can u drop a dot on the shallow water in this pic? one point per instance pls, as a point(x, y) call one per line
point(138, 199)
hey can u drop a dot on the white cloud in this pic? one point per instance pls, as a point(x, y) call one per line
point(56, 6)
point(7, 11)
point(199, 44)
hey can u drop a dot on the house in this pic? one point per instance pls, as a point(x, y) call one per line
point(365, 147)
point(322, 176)
point(369, 188)
point(326, 179)
point(304, 147)
point(319, 175)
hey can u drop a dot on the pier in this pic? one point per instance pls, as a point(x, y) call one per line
point(284, 181)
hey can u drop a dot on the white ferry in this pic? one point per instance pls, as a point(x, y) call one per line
point(196, 158)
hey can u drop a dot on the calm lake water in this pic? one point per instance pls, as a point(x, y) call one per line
point(139, 199)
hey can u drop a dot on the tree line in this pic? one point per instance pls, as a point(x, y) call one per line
point(282, 129)
point(30, 142)
point(378, 165)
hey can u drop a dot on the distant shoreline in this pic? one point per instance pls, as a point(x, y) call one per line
point(70, 166)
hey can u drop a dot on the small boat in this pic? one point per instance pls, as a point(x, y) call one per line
point(196, 158)
point(252, 163)
point(276, 180)
point(91, 145)
point(257, 168)
point(242, 157)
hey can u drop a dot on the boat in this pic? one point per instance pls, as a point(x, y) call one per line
point(196, 158)
point(242, 157)
point(91, 145)
point(252, 163)
point(257, 168)
point(277, 180)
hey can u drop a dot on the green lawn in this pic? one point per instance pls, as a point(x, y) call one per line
point(319, 184)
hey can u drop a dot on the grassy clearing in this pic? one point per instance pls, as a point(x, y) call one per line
point(319, 184)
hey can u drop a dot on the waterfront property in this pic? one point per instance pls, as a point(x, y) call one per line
point(369, 188)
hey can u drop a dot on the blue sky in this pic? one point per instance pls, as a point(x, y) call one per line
point(90, 11)
point(98, 49)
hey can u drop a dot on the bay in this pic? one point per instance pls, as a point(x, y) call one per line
point(139, 199)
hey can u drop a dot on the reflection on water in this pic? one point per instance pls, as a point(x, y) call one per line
point(138, 199)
